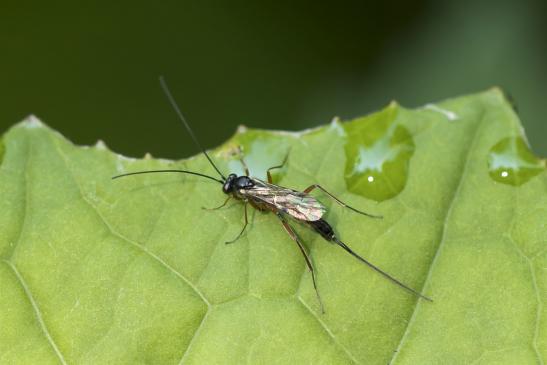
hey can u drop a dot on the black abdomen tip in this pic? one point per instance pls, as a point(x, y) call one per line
point(323, 228)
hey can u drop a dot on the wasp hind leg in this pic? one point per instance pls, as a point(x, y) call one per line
point(314, 186)
point(295, 238)
point(244, 226)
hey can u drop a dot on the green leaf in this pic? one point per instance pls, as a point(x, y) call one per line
point(133, 271)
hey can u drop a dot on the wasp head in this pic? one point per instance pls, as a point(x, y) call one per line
point(229, 184)
point(234, 182)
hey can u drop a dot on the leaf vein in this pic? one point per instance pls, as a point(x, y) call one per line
point(37, 311)
point(539, 308)
point(329, 332)
point(196, 334)
point(126, 239)
point(467, 158)
point(25, 204)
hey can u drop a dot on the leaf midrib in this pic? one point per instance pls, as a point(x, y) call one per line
point(446, 219)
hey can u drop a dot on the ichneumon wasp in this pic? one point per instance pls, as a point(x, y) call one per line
point(283, 202)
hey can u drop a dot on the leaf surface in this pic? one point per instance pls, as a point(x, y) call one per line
point(134, 271)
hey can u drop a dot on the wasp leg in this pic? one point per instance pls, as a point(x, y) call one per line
point(220, 206)
point(245, 166)
point(310, 188)
point(295, 238)
point(240, 154)
point(276, 167)
point(244, 226)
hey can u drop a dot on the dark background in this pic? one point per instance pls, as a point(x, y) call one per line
point(89, 69)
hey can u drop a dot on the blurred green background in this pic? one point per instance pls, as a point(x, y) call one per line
point(89, 69)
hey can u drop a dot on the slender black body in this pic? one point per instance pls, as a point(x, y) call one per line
point(283, 202)
point(322, 227)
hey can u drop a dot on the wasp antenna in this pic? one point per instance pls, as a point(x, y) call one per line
point(377, 269)
point(181, 117)
point(155, 171)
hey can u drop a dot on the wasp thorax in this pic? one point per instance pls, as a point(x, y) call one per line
point(244, 182)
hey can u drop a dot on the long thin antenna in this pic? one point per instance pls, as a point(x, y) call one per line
point(377, 269)
point(181, 117)
point(182, 171)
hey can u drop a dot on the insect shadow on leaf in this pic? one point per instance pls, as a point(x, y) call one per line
point(283, 202)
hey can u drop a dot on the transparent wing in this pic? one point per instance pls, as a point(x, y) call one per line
point(294, 203)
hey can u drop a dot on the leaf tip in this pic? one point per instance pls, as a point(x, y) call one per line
point(393, 104)
point(497, 90)
point(336, 126)
point(504, 96)
point(100, 145)
point(241, 129)
point(32, 122)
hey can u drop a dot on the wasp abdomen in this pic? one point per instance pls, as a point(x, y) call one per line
point(323, 228)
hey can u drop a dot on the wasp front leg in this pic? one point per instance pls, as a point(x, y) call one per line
point(244, 226)
point(276, 167)
point(220, 206)
point(245, 167)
